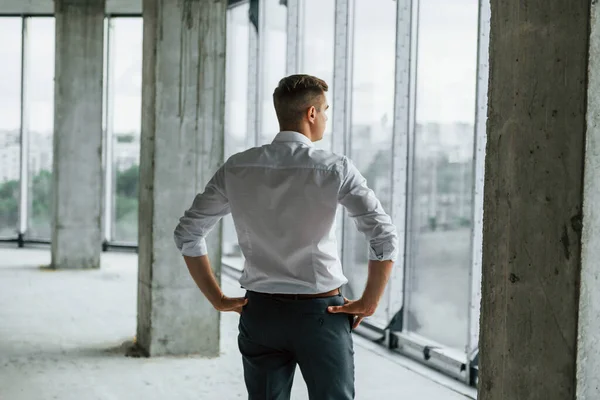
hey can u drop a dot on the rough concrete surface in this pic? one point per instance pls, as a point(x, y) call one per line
point(62, 335)
point(533, 199)
point(183, 88)
point(588, 340)
point(77, 171)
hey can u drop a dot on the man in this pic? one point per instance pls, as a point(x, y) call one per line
point(283, 198)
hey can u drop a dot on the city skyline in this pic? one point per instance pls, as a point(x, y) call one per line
point(446, 66)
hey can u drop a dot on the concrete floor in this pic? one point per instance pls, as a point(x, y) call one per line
point(62, 336)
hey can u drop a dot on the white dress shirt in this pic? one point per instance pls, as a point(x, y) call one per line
point(283, 198)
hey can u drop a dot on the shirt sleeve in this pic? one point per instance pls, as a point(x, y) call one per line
point(206, 211)
point(367, 213)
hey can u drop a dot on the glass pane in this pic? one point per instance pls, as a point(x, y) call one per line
point(317, 49)
point(125, 91)
point(10, 125)
point(236, 106)
point(441, 215)
point(372, 124)
point(39, 122)
point(272, 65)
point(236, 94)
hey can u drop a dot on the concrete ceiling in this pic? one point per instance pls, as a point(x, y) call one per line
point(33, 7)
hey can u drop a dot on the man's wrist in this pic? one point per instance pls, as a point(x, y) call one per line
point(218, 301)
point(369, 306)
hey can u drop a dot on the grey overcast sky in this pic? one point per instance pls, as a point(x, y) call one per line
point(447, 56)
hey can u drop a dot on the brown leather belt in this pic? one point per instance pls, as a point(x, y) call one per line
point(331, 293)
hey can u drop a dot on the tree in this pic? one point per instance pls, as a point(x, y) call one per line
point(9, 204)
point(127, 182)
point(126, 202)
point(41, 195)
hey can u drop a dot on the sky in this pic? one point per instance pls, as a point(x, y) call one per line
point(126, 85)
point(10, 72)
point(447, 57)
point(447, 60)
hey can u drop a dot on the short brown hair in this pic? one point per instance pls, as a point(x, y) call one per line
point(295, 94)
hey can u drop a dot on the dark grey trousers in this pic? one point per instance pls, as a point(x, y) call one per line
point(277, 334)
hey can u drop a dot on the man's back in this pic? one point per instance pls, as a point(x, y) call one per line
point(283, 199)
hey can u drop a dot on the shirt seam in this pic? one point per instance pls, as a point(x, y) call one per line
point(329, 169)
point(310, 146)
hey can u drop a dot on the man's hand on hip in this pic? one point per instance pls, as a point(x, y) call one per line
point(235, 304)
point(359, 309)
point(379, 274)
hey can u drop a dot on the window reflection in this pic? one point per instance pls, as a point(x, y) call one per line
point(10, 125)
point(39, 122)
point(372, 123)
point(317, 49)
point(236, 106)
point(441, 215)
point(125, 93)
point(273, 38)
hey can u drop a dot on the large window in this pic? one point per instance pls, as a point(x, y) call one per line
point(38, 123)
point(439, 239)
point(439, 219)
point(236, 108)
point(124, 123)
point(372, 114)
point(273, 41)
point(316, 50)
point(10, 125)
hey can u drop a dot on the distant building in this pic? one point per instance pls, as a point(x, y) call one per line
point(40, 152)
point(9, 163)
point(126, 153)
point(443, 175)
point(10, 155)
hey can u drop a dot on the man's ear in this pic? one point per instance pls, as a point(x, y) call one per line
point(311, 113)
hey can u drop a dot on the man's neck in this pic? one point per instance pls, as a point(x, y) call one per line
point(299, 130)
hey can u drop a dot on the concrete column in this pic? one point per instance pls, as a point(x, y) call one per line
point(76, 234)
point(533, 197)
point(181, 148)
point(588, 345)
point(294, 35)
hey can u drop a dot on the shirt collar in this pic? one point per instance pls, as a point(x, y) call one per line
point(290, 136)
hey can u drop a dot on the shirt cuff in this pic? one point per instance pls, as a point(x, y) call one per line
point(384, 252)
point(194, 249)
